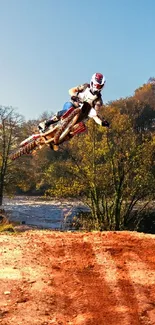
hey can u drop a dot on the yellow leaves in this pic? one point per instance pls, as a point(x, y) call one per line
point(64, 187)
point(153, 139)
point(120, 122)
point(142, 92)
point(146, 95)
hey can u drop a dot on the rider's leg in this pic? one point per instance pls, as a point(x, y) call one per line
point(65, 108)
point(58, 115)
point(55, 118)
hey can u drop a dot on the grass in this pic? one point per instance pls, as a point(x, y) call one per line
point(5, 225)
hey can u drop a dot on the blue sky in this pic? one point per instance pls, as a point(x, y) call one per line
point(49, 46)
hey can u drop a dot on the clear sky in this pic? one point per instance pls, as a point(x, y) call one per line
point(49, 46)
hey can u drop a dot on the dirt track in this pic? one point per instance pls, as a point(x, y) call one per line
point(77, 278)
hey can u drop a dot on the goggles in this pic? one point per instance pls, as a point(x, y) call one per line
point(97, 86)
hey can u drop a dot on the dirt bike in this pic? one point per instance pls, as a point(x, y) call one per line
point(69, 125)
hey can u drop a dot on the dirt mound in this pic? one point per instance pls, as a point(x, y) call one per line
point(98, 278)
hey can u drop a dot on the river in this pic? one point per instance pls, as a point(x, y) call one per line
point(42, 213)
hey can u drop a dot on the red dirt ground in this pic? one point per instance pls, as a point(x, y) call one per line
point(65, 278)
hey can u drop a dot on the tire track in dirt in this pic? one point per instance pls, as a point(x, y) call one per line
point(108, 270)
point(118, 281)
point(142, 278)
point(98, 301)
point(78, 279)
point(134, 280)
point(81, 295)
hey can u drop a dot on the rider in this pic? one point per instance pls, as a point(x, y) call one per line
point(84, 92)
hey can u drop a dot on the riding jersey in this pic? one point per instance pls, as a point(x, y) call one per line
point(84, 94)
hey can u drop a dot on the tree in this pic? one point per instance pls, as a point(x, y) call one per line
point(112, 172)
point(131, 172)
point(10, 123)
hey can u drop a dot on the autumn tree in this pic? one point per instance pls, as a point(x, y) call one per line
point(28, 169)
point(10, 123)
point(131, 170)
point(111, 171)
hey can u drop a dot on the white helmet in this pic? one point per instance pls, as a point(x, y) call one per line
point(97, 82)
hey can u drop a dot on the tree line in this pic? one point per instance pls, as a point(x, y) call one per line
point(111, 170)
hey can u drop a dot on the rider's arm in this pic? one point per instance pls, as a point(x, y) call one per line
point(75, 90)
point(96, 118)
point(99, 120)
point(94, 111)
point(98, 104)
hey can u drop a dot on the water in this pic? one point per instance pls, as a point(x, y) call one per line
point(45, 214)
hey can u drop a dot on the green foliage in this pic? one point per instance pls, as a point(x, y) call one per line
point(112, 171)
